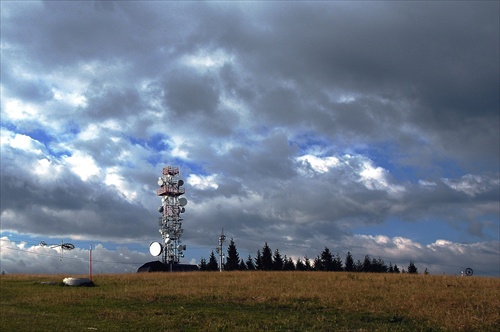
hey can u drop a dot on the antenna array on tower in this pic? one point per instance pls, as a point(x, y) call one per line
point(172, 205)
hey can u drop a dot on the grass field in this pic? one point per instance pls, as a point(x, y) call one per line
point(251, 301)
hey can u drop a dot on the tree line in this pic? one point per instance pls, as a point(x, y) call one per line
point(267, 260)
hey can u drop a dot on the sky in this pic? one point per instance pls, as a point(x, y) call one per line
point(368, 127)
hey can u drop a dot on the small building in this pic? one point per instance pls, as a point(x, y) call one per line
point(157, 266)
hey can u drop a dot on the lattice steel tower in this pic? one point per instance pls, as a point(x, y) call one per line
point(172, 205)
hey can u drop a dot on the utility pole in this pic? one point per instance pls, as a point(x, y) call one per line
point(90, 263)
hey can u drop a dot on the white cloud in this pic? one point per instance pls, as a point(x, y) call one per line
point(472, 185)
point(17, 110)
point(21, 257)
point(180, 147)
point(204, 60)
point(21, 142)
point(47, 170)
point(427, 184)
point(318, 164)
point(441, 256)
point(375, 178)
point(203, 182)
point(113, 178)
point(82, 165)
point(73, 99)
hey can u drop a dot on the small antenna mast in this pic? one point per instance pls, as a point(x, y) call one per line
point(222, 238)
point(63, 246)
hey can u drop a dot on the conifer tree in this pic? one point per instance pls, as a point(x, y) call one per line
point(203, 264)
point(277, 261)
point(258, 261)
point(358, 266)
point(300, 266)
point(318, 264)
point(242, 266)
point(349, 262)
point(307, 263)
point(337, 263)
point(327, 260)
point(412, 268)
point(212, 263)
point(288, 264)
point(250, 264)
point(233, 258)
point(267, 258)
point(367, 264)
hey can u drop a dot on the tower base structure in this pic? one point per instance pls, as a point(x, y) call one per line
point(157, 266)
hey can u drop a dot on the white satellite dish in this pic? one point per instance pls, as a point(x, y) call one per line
point(76, 281)
point(155, 248)
point(160, 182)
point(183, 210)
point(180, 183)
point(182, 201)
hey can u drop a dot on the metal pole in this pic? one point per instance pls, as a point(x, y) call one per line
point(90, 263)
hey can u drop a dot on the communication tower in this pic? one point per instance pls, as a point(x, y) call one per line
point(170, 221)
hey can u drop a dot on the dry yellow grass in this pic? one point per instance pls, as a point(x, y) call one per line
point(206, 300)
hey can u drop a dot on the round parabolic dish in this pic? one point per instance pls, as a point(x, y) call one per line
point(183, 201)
point(155, 248)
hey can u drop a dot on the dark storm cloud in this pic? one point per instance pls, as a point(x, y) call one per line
point(188, 92)
point(441, 61)
point(33, 90)
point(108, 102)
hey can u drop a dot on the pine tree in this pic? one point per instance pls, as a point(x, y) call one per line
point(358, 266)
point(337, 263)
point(258, 261)
point(242, 266)
point(300, 266)
point(203, 264)
point(412, 268)
point(212, 263)
point(367, 265)
point(307, 263)
point(267, 258)
point(349, 262)
point(233, 258)
point(318, 264)
point(277, 261)
point(327, 260)
point(288, 264)
point(250, 264)
point(382, 266)
point(396, 268)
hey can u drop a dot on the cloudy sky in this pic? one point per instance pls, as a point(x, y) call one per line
point(369, 127)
